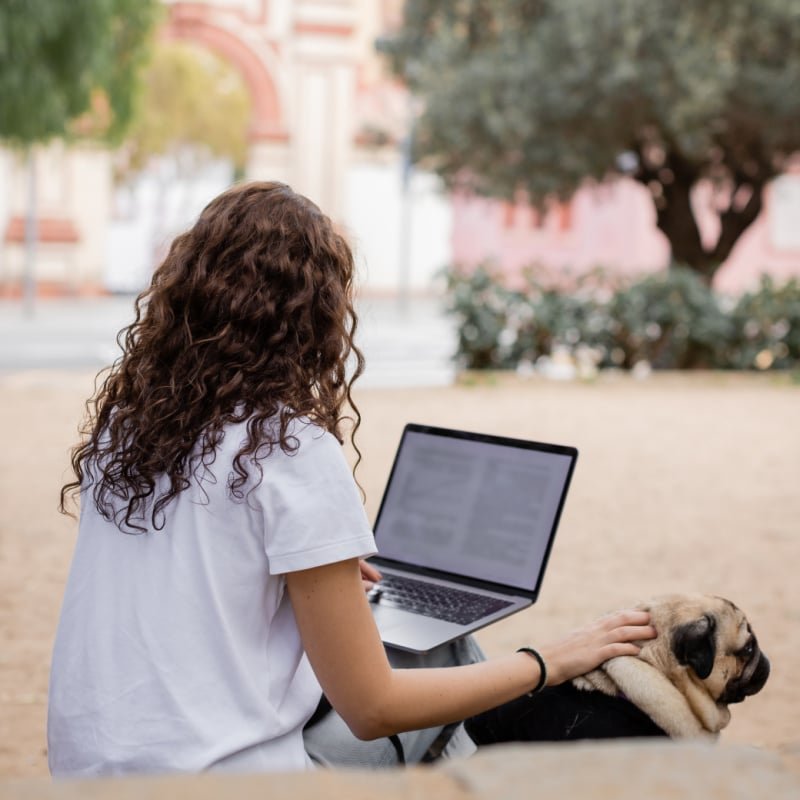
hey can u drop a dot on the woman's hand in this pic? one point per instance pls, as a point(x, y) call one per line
point(586, 648)
point(369, 575)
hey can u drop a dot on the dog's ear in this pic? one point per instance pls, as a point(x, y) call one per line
point(695, 645)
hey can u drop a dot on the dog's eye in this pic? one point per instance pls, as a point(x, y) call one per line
point(747, 650)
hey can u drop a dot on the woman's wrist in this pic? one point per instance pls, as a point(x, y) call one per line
point(537, 656)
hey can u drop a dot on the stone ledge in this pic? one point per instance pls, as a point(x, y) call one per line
point(629, 770)
point(596, 771)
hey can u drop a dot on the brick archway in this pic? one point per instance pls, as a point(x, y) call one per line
point(194, 22)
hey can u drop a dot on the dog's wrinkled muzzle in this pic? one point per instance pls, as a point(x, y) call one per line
point(751, 681)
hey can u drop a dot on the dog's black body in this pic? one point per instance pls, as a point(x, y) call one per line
point(562, 713)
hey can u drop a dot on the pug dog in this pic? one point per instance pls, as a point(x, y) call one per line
point(705, 658)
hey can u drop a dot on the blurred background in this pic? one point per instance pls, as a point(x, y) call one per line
point(595, 184)
point(574, 221)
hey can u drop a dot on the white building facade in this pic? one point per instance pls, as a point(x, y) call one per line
point(320, 102)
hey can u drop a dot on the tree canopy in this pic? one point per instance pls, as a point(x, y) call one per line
point(543, 95)
point(59, 58)
point(194, 105)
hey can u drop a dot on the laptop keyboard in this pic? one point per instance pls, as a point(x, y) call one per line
point(434, 600)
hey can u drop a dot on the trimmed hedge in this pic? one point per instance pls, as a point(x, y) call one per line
point(670, 320)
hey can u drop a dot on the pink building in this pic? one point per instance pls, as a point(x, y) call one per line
point(613, 226)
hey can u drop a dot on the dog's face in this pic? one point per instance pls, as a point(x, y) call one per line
point(712, 640)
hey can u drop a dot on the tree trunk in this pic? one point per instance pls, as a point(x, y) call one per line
point(671, 183)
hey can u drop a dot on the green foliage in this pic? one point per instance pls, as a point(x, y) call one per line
point(546, 318)
point(483, 306)
point(59, 58)
point(194, 105)
point(539, 95)
point(766, 327)
point(671, 320)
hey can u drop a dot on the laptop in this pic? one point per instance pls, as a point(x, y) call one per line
point(464, 532)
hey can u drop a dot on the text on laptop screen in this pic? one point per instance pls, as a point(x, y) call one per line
point(473, 508)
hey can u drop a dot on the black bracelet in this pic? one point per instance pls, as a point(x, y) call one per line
point(542, 669)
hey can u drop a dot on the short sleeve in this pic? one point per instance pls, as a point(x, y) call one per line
point(313, 514)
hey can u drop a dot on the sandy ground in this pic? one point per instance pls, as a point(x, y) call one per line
point(684, 483)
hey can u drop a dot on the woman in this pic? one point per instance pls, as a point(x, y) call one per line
point(216, 582)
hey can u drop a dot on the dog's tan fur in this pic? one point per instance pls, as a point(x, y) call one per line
point(670, 693)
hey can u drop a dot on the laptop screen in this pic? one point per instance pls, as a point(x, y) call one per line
point(480, 506)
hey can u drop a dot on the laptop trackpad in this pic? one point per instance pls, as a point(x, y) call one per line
point(387, 618)
point(413, 632)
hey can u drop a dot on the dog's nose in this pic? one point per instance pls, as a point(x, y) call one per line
point(759, 676)
point(737, 690)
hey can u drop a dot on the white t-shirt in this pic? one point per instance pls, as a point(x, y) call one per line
point(177, 650)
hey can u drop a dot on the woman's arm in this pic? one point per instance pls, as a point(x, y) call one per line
point(345, 650)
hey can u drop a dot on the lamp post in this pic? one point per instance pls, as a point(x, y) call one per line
point(31, 237)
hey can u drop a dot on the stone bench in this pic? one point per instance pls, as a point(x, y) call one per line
point(595, 771)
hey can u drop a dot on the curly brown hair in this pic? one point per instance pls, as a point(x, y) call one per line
point(249, 318)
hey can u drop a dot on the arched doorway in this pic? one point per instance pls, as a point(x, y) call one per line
point(203, 24)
